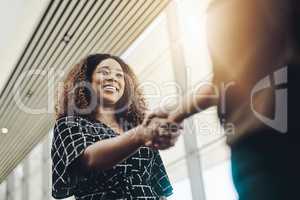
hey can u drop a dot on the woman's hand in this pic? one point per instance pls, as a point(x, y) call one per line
point(161, 132)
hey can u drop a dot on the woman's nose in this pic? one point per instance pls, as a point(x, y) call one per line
point(111, 77)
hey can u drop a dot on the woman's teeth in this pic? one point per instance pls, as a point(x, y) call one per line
point(110, 88)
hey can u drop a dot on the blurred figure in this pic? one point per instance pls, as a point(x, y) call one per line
point(253, 45)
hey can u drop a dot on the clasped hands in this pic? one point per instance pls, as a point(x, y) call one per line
point(160, 131)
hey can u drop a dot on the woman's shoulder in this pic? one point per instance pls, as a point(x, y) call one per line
point(79, 121)
point(73, 120)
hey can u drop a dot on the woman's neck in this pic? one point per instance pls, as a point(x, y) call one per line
point(107, 116)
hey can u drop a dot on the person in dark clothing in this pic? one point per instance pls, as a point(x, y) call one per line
point(99, 149)
point(254, 46)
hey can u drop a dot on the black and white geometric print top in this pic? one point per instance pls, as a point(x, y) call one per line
point(141, 176)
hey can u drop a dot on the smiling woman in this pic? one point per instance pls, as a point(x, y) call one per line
point(108, 80)
point(90, 86)
point(99, 146)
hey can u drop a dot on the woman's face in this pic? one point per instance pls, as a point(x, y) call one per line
point(108, 81)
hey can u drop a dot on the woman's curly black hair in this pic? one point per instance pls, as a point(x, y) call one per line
point(75, 97)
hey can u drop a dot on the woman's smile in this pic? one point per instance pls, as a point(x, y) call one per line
point(110, 88)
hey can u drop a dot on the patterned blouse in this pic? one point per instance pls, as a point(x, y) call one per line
point(141, 176)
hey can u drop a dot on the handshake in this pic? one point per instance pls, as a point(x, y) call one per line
point(159, 130)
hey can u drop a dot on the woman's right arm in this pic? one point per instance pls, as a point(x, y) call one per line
point(105, 154)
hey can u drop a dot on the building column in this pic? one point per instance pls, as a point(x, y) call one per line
point(180, 71)
point(46, 168)
point(10, 186)
point(25, 179)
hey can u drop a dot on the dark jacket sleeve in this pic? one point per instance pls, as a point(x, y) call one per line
point(159, 177)
point(69, 142)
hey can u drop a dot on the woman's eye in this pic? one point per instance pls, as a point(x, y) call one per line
point(103, 72)
point(119, 75)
